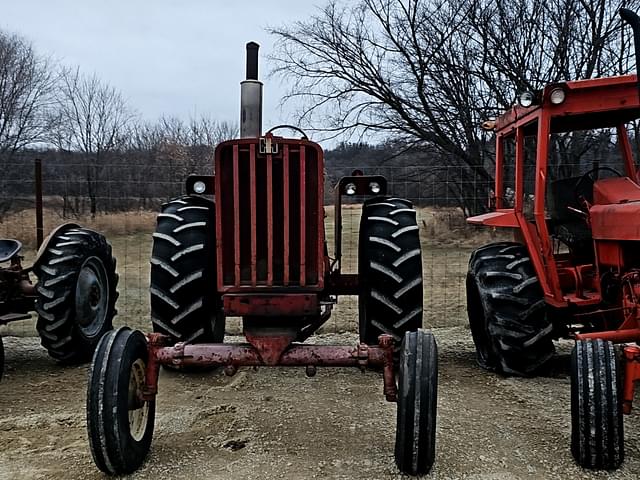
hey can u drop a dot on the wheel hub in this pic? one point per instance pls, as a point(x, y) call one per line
point(138, 408)
point(92, 295)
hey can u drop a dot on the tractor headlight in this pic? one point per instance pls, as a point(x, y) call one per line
point(350, 189)
point(199, 187)
point(557, 96)
point(374, 187)
point(526, 99)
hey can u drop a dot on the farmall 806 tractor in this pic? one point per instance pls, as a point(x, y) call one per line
point(74, 294)
point(574, 269)
point(259, 252)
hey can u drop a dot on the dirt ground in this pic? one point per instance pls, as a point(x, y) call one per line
point(277, 423)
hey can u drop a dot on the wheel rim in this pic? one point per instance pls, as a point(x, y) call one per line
point(92, 297)
point(138, 410)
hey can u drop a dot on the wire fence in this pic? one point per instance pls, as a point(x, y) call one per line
point(121, 200)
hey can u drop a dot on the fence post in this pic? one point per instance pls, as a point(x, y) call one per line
point(39, 219)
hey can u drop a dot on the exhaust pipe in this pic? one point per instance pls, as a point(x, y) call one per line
point(251, 96)
point(634, 22)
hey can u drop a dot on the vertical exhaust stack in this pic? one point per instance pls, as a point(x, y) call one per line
point(251, 96)
point(634, 22)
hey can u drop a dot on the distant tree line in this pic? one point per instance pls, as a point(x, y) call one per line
point(98, 155)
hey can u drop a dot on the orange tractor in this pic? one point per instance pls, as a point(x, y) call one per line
point(573, 270)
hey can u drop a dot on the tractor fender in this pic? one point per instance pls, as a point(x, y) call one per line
point(53, 233)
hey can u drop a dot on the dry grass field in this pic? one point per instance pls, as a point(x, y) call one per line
point(447, 243)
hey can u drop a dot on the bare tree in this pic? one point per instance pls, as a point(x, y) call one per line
point(91, 118)
point(26, 84)
point(429, 71)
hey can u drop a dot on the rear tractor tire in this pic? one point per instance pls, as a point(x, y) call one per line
point(597, 428)
point(507, 312)
point(119, 422)
point(417, 401)
point(390, 270)
point(76, 291)
point(184, 302)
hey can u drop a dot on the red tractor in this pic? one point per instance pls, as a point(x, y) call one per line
point(259, 252)
point(573, 270)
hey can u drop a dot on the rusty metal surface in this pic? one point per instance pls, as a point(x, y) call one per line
point(270, 304)
point(269, 215)
point(273, 350)
point(631, 368)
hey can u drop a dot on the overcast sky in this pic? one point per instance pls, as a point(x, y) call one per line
point(171, 57)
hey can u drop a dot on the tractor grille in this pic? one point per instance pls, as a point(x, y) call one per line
point(270, 230)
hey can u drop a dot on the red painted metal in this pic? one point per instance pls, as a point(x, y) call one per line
point(499, 193)
point(270, 304)
point(253, 207)
point(270, 220)
point(270, 347)
point(285, 202)
point(236, 212)
point(269, 215)
point(303, 215)
point(627, 154)
point(631, 359)
point(500, 218)
point(615, 336)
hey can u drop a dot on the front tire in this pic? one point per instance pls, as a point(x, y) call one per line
point(597, 427)
point(119, 423)
point(76, 293)
point(389, 269)
point(184, 301)
point(417, 402)
point(507, 312)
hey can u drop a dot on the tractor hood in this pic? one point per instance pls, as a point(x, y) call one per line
point(615, 214)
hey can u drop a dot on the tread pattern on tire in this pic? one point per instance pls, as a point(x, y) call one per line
point(507, 311)
point(184, 304)
point(113, 448)
point(390, 269)
point(597, 428)
point(417, 403)
point(57, 271)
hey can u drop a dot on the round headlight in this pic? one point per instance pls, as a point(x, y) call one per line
point(526, 99)
point(557, 96)
point(350, 189)
point(374, 187)
point(199, 187)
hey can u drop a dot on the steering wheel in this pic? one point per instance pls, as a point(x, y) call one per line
point(586, 181)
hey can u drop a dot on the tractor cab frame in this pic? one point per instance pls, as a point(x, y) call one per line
point(574, 268)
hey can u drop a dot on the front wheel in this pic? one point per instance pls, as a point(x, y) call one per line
point(597, 433)
point(417, 401)
point(119, 421)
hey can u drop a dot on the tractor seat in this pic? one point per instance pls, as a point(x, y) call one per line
point(8, 249)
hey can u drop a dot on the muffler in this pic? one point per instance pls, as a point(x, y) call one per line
point(251, 96)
